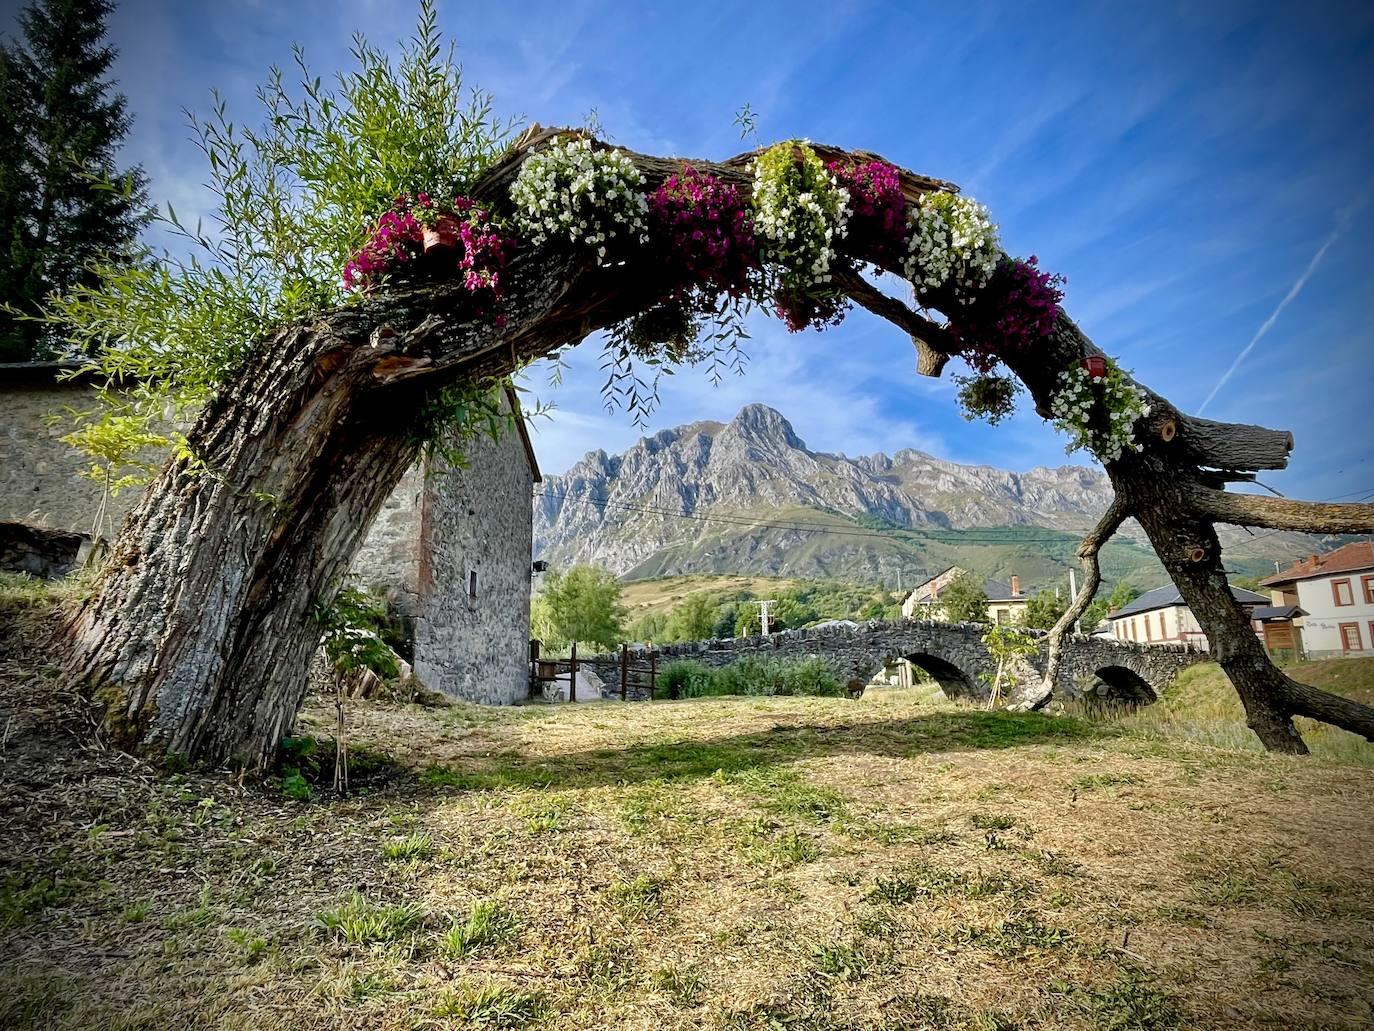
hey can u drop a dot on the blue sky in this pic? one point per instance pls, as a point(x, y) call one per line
point(1182, 164)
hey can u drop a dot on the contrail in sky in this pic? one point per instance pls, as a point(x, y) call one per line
point(1296, 289)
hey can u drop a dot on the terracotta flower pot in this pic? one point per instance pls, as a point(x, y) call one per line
point(444, 235)
point(1096, 366)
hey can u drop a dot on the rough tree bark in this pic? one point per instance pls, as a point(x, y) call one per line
point(199, 633)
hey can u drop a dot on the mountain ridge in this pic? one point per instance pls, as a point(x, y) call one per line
point(712, 497)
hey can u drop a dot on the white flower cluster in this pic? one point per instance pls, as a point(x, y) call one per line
point(1124, 403)
point(950, 237)
point(799, 228)
point(581, 194)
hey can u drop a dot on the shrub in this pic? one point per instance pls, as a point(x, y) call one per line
point(751, 676)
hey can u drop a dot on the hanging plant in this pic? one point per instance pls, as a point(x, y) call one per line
point(1016, 310)
point(588, 196)
point(988, 397)
point(801, 212)
point(1099, 413)
point(951, 240)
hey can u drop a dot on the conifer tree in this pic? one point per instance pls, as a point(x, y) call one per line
point(63, 201)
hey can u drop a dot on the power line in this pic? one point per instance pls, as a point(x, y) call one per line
point(959, 537)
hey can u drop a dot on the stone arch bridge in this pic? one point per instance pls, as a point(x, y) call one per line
point(952, 653)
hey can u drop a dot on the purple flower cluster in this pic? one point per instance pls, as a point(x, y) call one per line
point(811, 310)
point(485, 249)
point(1015, 310)
point(702, 235)
point(397, 239)
point(878, 208)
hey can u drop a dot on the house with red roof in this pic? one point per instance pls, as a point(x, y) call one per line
point(1335, 592)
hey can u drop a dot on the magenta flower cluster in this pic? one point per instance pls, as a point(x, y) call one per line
point(878, 208)
point(812, 310)
point(485, 249)
point(702, 235)
point(397, 238)
point(1017, 309)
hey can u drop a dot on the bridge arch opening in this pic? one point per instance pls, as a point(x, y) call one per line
point(953, 681)
point(1125, 686)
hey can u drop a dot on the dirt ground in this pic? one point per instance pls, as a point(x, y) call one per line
point(736, 863)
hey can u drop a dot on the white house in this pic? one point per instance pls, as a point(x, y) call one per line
point(1336, 594)
point(1161, 616)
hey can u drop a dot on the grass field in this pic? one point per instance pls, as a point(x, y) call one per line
point(642, 597)
point(890, 862)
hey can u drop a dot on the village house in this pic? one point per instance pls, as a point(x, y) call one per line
point(1335, 593)
point(450, 550)
point(1161, 616)
point(1006, 603)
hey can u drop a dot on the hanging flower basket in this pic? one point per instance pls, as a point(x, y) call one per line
point(443, 235)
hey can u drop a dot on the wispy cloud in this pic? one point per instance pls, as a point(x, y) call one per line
point(1342, 222)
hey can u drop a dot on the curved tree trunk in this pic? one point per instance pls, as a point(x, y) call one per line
point(198, 636)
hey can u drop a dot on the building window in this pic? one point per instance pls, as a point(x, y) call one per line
point(1149, 633)
point(1163, 634)
point(1367, 583)
point(1341, 592)
point(472, 587)
point(1003, 617)
point(1350, 638)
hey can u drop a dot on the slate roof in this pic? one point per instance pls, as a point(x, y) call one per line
point(1265, 613)
point(1356, 556)
point(1168, 596)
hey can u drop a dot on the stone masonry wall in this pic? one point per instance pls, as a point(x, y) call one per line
point(40, 477)
point(477, 521)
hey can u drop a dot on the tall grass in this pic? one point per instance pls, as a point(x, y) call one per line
point(1202, 706)
point(751, 675)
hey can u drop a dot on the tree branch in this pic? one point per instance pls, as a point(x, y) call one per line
point(1087, 556)
point(933, 342)
point(1279, 513)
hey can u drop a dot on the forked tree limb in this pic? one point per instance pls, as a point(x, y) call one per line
point(1088, 552)
point(934, 344)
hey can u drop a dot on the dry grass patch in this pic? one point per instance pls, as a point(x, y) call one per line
point(722, 863)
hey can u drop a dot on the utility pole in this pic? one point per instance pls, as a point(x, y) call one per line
point(763, 613)
point(1073, 594)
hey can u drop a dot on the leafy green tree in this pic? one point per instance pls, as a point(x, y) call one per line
point(963, 601)
point(584, 605)
point(1043, 610)
point(1122, 595)
point(1094, 614)
point(64, 204)
point(1007, 644)
point(649, 627)
point(692, 619)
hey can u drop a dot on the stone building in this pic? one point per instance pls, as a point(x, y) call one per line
point(451, 547)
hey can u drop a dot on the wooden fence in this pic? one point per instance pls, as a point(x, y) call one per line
point(638, 672)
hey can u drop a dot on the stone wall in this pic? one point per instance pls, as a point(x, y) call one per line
point(40, 476)
point(472, 622)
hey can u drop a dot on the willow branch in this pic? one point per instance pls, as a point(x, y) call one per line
point(1279, 513)
point(1087, 557)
